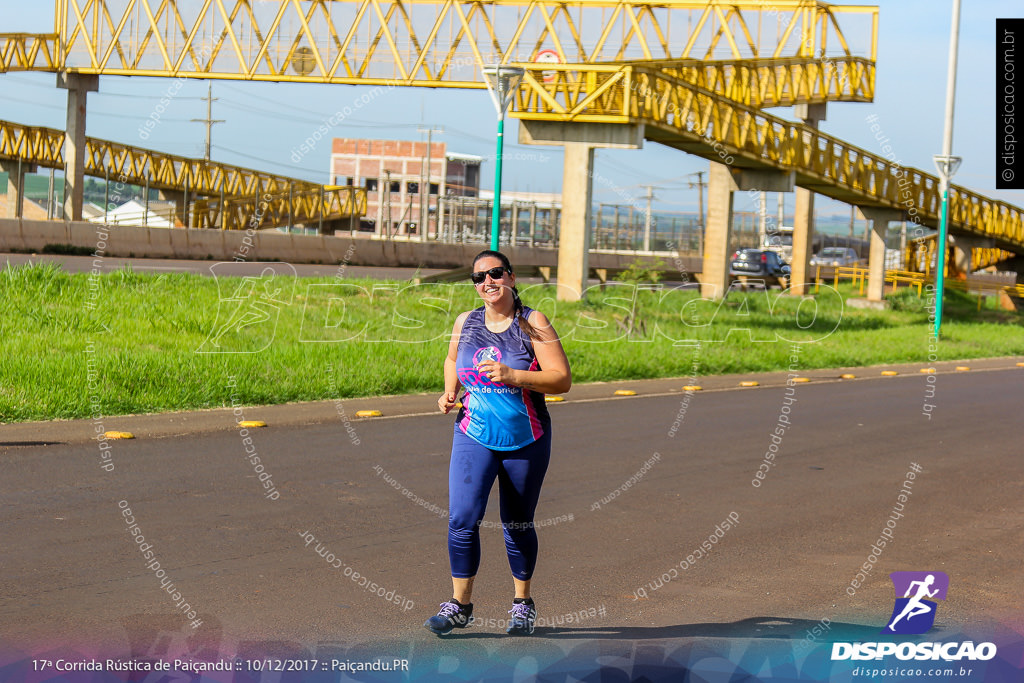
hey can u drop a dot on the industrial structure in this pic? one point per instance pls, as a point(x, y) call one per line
point(693, 75)
point(403, 180)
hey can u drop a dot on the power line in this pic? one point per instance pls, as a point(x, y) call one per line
point(57, 107)
point(266, 161)
point(99, 93)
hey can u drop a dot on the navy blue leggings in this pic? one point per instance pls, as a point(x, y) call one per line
point(471, 474)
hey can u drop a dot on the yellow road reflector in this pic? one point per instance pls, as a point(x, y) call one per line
point(847, 376)
point(962, 368)
point(553, 399)
point(368, 413)
point(692, 387)
point(118, 435)
point(625, 392)
point(927, 371)
point(801, 379)
point(749, 383)
point(889, 373)
point(1020, 365)
point(249, 424)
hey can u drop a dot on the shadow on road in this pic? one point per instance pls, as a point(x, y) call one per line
point(754, 627)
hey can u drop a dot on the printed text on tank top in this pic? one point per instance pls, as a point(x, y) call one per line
point(498, 415)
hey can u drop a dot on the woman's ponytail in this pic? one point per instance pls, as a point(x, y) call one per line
point(524, 324)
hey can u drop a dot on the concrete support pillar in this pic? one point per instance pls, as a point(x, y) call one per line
point(803, 220)
point(580, 140)
point(533, 224)
point(178, 197)
point(876, 256)
point(15, 185)
point(574, 239)
point(78, 87)
point(714, 279)
point(515, 224)
point(876, 260)
point(961, 263)
point(722, 182)
point(803, 241)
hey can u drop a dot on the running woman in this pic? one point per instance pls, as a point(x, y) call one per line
point(507, 357)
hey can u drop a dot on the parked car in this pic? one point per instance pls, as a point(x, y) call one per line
point(758, 263)
point(836, 256)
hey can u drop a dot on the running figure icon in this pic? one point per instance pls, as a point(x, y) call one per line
point(913, 611)
point(915, 606)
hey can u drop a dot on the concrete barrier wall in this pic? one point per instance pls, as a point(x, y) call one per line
point(218, 245)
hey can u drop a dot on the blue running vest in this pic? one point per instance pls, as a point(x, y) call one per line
point(497, 415)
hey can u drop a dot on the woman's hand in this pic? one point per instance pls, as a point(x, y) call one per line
point(496, 372)
point(446, 402)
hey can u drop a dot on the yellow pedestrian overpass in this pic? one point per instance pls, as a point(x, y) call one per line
point(693, 75)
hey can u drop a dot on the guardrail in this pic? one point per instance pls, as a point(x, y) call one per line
point(859, 275)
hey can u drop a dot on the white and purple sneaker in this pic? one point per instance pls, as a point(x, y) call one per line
point(524, 614)
point(451, 616)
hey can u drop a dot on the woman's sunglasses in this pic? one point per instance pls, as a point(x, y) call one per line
point(496, 273)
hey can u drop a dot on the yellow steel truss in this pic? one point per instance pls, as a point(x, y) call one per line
point(680, 114)
point(126, 164)
point(284, 208)
point(779, 82)
point(436, 42)
point(789, 52)
point(920, 256)
point(29, 52)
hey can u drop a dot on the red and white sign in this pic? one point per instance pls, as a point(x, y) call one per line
point(548, 57)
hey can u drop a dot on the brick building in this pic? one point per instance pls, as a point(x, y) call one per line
point(394, 172)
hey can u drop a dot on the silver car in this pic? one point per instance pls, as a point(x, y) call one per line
point(836, 256)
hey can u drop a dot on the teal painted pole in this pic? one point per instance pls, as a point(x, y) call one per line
point(948, 165)
point(496, 210)
point(940, 261)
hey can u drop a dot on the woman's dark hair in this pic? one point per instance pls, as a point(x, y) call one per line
point(517, 303)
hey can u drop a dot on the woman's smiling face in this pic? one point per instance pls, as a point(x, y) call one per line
point(491, 290)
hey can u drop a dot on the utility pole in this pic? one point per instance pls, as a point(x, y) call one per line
point(700, 205)
point(209, 120)
point(700, 185)
point(647, 217)
point(424, 221)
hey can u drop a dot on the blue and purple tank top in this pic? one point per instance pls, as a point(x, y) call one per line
point(497, 415)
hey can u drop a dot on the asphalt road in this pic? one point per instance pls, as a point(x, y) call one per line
point(373, 494)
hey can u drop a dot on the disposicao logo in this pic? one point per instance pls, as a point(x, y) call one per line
point(912, 614)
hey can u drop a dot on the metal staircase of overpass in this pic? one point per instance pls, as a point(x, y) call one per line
point(678, 110)
point(209, 185)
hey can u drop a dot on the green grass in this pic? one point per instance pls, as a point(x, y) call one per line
point(126, 342)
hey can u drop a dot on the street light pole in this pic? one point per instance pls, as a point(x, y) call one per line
point(947, 165)
point(502, 82)
point(496, 205)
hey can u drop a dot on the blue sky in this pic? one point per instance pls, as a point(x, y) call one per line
point(267, 121)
